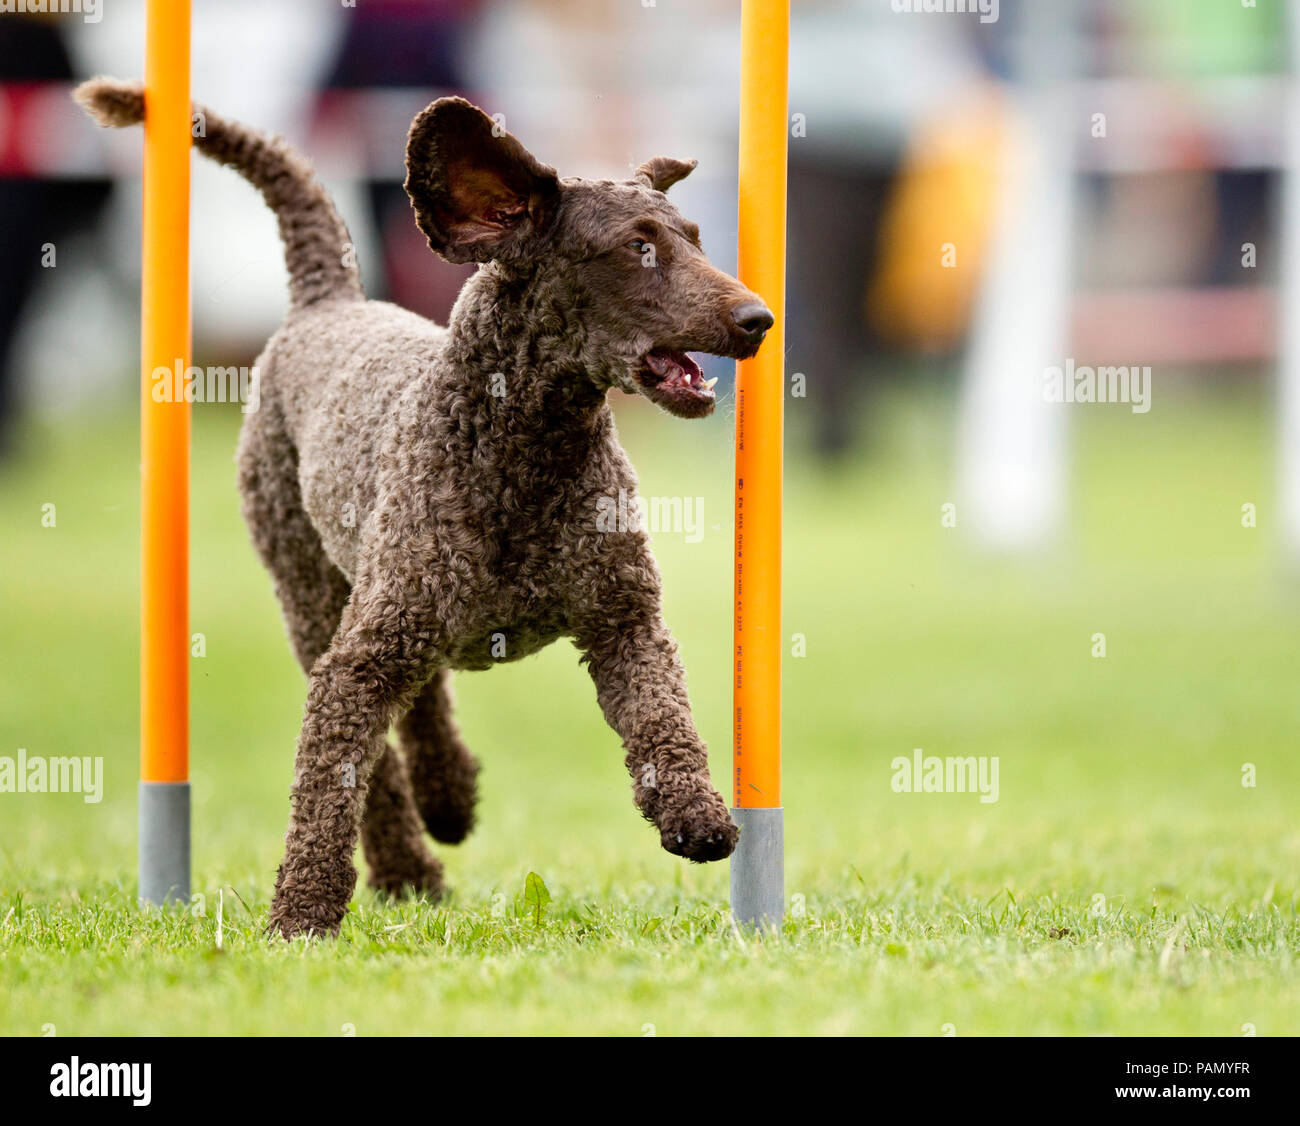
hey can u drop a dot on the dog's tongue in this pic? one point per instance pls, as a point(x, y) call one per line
point(672, 366)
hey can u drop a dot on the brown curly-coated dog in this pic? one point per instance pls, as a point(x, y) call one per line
point(425, 497)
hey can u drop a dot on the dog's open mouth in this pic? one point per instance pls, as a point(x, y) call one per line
point(674, 381)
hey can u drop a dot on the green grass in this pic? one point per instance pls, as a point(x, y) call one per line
point(1125, 881)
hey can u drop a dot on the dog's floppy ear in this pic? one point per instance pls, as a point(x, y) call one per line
point(477, 192)
point(663, 172)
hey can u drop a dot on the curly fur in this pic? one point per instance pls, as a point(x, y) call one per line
point(425, 496)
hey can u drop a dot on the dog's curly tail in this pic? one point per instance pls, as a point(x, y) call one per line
point(318, 251)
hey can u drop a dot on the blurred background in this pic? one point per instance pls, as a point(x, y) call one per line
point(973, 196)
point(972, 203)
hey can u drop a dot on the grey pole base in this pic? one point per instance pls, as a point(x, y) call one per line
point(164, 842)
point(758, 868)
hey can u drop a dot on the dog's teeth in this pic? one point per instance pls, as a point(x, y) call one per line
point(708, 383)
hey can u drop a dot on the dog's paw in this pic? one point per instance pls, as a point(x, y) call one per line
point(450, 817)
point(699, 827)
point(287, 924)
point(311, 898)
point(446, 800)
point(426, 881)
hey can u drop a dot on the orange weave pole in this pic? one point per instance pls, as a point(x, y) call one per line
point(165, 426)
point(760, 395)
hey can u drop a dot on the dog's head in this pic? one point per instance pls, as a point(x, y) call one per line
point(619, 257)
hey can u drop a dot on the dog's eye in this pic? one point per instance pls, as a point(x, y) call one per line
point(639, 245)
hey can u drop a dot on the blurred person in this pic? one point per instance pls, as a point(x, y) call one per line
point(934, 229)
point(607, 84)
point(417, 44)
point(1191, 40)
point(34, 212)
point(876, 179)
point(1190, 218)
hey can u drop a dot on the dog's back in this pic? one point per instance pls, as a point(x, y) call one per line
point(331, 383)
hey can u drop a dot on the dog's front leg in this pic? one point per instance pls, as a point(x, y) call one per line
point(641, 687)
point(365, 674)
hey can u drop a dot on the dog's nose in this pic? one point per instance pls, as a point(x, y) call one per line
point(753, 318)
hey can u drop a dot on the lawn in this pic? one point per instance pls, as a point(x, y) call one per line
point(1124, 882)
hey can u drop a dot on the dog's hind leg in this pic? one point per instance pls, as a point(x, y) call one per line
point(313, 594)
point(443, 772)
point(392, 837)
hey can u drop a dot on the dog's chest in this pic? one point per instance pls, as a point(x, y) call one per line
point(507, 640)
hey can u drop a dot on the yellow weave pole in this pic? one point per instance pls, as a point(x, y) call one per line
point(165, 460)
point(758, 865)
